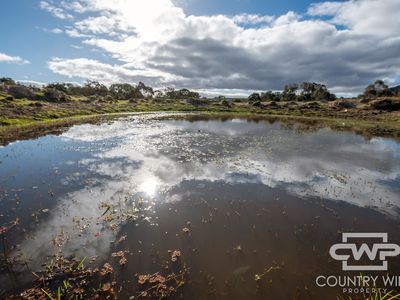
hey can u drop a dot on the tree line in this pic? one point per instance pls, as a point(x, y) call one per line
point(307, 91)
point(60, 91)
point(117, 91)
point(122, 91)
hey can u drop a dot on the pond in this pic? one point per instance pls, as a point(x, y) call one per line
point(241, 208)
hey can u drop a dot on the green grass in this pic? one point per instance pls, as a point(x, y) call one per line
point(22, 115)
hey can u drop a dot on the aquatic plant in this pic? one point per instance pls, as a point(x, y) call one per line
point(161, 286)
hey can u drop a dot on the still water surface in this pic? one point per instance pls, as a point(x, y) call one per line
point(249, 195)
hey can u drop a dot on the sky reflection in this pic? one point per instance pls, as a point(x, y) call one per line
point(143, 156)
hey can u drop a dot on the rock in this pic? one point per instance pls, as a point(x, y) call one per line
point(386, 104)
point(9, 98)
point(54, 95)
point(21, 91)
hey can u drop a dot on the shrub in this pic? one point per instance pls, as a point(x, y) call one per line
point(378, 89)
point(54, 95)
point(255, 97)
point(21, 91)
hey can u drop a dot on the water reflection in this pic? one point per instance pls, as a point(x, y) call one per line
point(338, 166)
point(153, 158)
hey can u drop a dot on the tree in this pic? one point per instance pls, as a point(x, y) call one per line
point(322, 94)
point(171, 93)
point(289, 92)
point(7, 81)
point(312, 91)
point(378, 89)
point(146, 91)
point(270, 96)
point(185, 93)
point(123, 91)
point(254, 97)
point(93, 87)
point(62, 87)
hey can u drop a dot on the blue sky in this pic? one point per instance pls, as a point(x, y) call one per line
point(24, 29)
point(202, 44)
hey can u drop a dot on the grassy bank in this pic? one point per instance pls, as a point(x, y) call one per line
point(21, 119)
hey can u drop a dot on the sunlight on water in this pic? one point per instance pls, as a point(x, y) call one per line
point(149, 187)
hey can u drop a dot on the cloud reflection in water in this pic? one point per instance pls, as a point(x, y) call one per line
point(143, 155)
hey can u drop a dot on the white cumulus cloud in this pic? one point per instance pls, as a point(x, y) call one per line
point(12, 59)
point(55, 11)
point(252, 19)
point(343, 44)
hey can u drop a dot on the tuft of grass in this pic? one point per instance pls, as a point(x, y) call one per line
point(391, 295)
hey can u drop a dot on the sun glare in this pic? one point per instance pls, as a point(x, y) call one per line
point(149, 187)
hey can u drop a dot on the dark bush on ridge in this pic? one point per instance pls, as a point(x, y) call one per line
point(386, 104)
point(54, 95)
point(197, 102)
point(378, 89)
point(21, 91)
point(7, 81)
point(255, 97)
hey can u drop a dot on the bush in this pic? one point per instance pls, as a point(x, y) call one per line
point(386, 104)
point(345, 104)
point(7, 81)
point(272, 104)
point(21, 91)
point(378, 89)
point(225, 103)
point(311, 105)
point(270, 96)
point(171, 93)
point(197, 102)
point(54, 95)
point(255, 97)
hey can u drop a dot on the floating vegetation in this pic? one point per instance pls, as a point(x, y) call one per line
point(391, 295)
point(121, 256)
point(160, 286)
point(128, 210)
point(260, 276)
point(11, 225)
point(65, 278)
